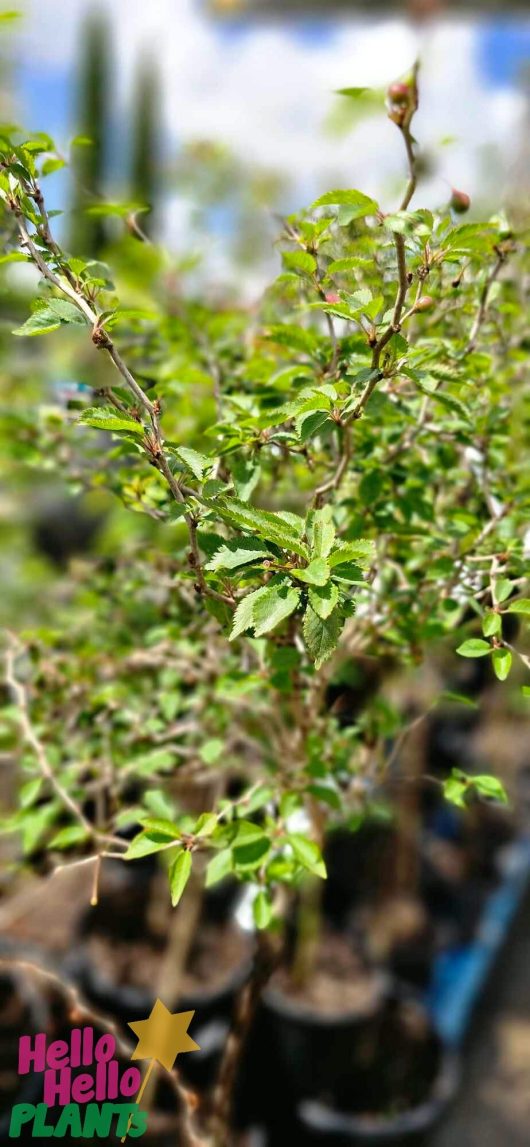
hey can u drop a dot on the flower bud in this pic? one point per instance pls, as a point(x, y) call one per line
point(332, 297)
point(459, 202)
point(424, 303)
point(399, 93)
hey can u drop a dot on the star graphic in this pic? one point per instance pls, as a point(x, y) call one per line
point(163, 1035)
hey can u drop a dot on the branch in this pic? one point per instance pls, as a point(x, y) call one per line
point(32, 739)
point(153, 443)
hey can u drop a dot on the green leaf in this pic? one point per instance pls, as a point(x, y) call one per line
point(320, 531)
point(107, 418)
point(49, 317)
point(362, 552)
point(68, 836)
point(522, 605)
point(219, 867)
point(300, 261)
point(251, 855)
point(358, 203)
point(491, 624)
point(206, 824)
point(273, 606)
point(29, 792)
point(145, 844)
point(244, 615)
point(162, 827)
point(475, 647)
point(262, 910)
point(238, 552)
point(307, 854)
point(323, 599)
point(502, 589)
point(454, 790)
point(196, 463)
point(490, 787)
point(316, 573)
point(502, 663)
point(211, 750)
point(321, 635)
point(285, 530)
point(179, 874)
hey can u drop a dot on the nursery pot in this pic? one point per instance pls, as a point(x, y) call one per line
point(23, 1011)
point(320, 1126)
point(130, 1001)
point(383, 1056)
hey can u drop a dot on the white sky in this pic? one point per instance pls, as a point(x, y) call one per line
point(266, 92)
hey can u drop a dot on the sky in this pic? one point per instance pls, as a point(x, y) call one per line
point(266, 89)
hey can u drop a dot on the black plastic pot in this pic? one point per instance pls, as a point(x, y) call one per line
point(321, 1126)
point(126, 1003)
point(23, 1011)
point(352, 1063)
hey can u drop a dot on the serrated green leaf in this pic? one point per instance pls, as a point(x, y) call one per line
point(285, 530)
point(321, 635)
point(196, 463)
point(320, 531)
point(107, 418)
point(490, 787)
point(316, 573)
point(362, 552)
point(244, 615)
point(357, 203)
point(273, 607)
point(238, 552)
point(300, 261)
point(323, 599)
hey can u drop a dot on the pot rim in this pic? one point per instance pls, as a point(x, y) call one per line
point(318, 1117)
point(278, 1001)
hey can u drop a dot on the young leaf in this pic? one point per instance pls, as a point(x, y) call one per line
point(316, 573)
point(320, 531)
point(474, 647)
point(262, 910)
point(502, 663)
point(179, 874)
point(307, 854)
point(491, 624)
point(357, 203)
point(490, 788)
point(520, 606)
point(220, 866)
point(196, 463)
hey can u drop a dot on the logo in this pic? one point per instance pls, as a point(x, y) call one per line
point(86, 1093)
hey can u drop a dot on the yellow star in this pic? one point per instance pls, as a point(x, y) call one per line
point(163, 1036)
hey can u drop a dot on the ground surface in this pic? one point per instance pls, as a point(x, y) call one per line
point(493, 1108)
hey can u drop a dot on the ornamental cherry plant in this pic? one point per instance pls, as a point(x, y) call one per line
point(358, 489)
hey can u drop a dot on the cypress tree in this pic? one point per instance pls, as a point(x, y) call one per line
point(145, 168)
point(93, 105)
